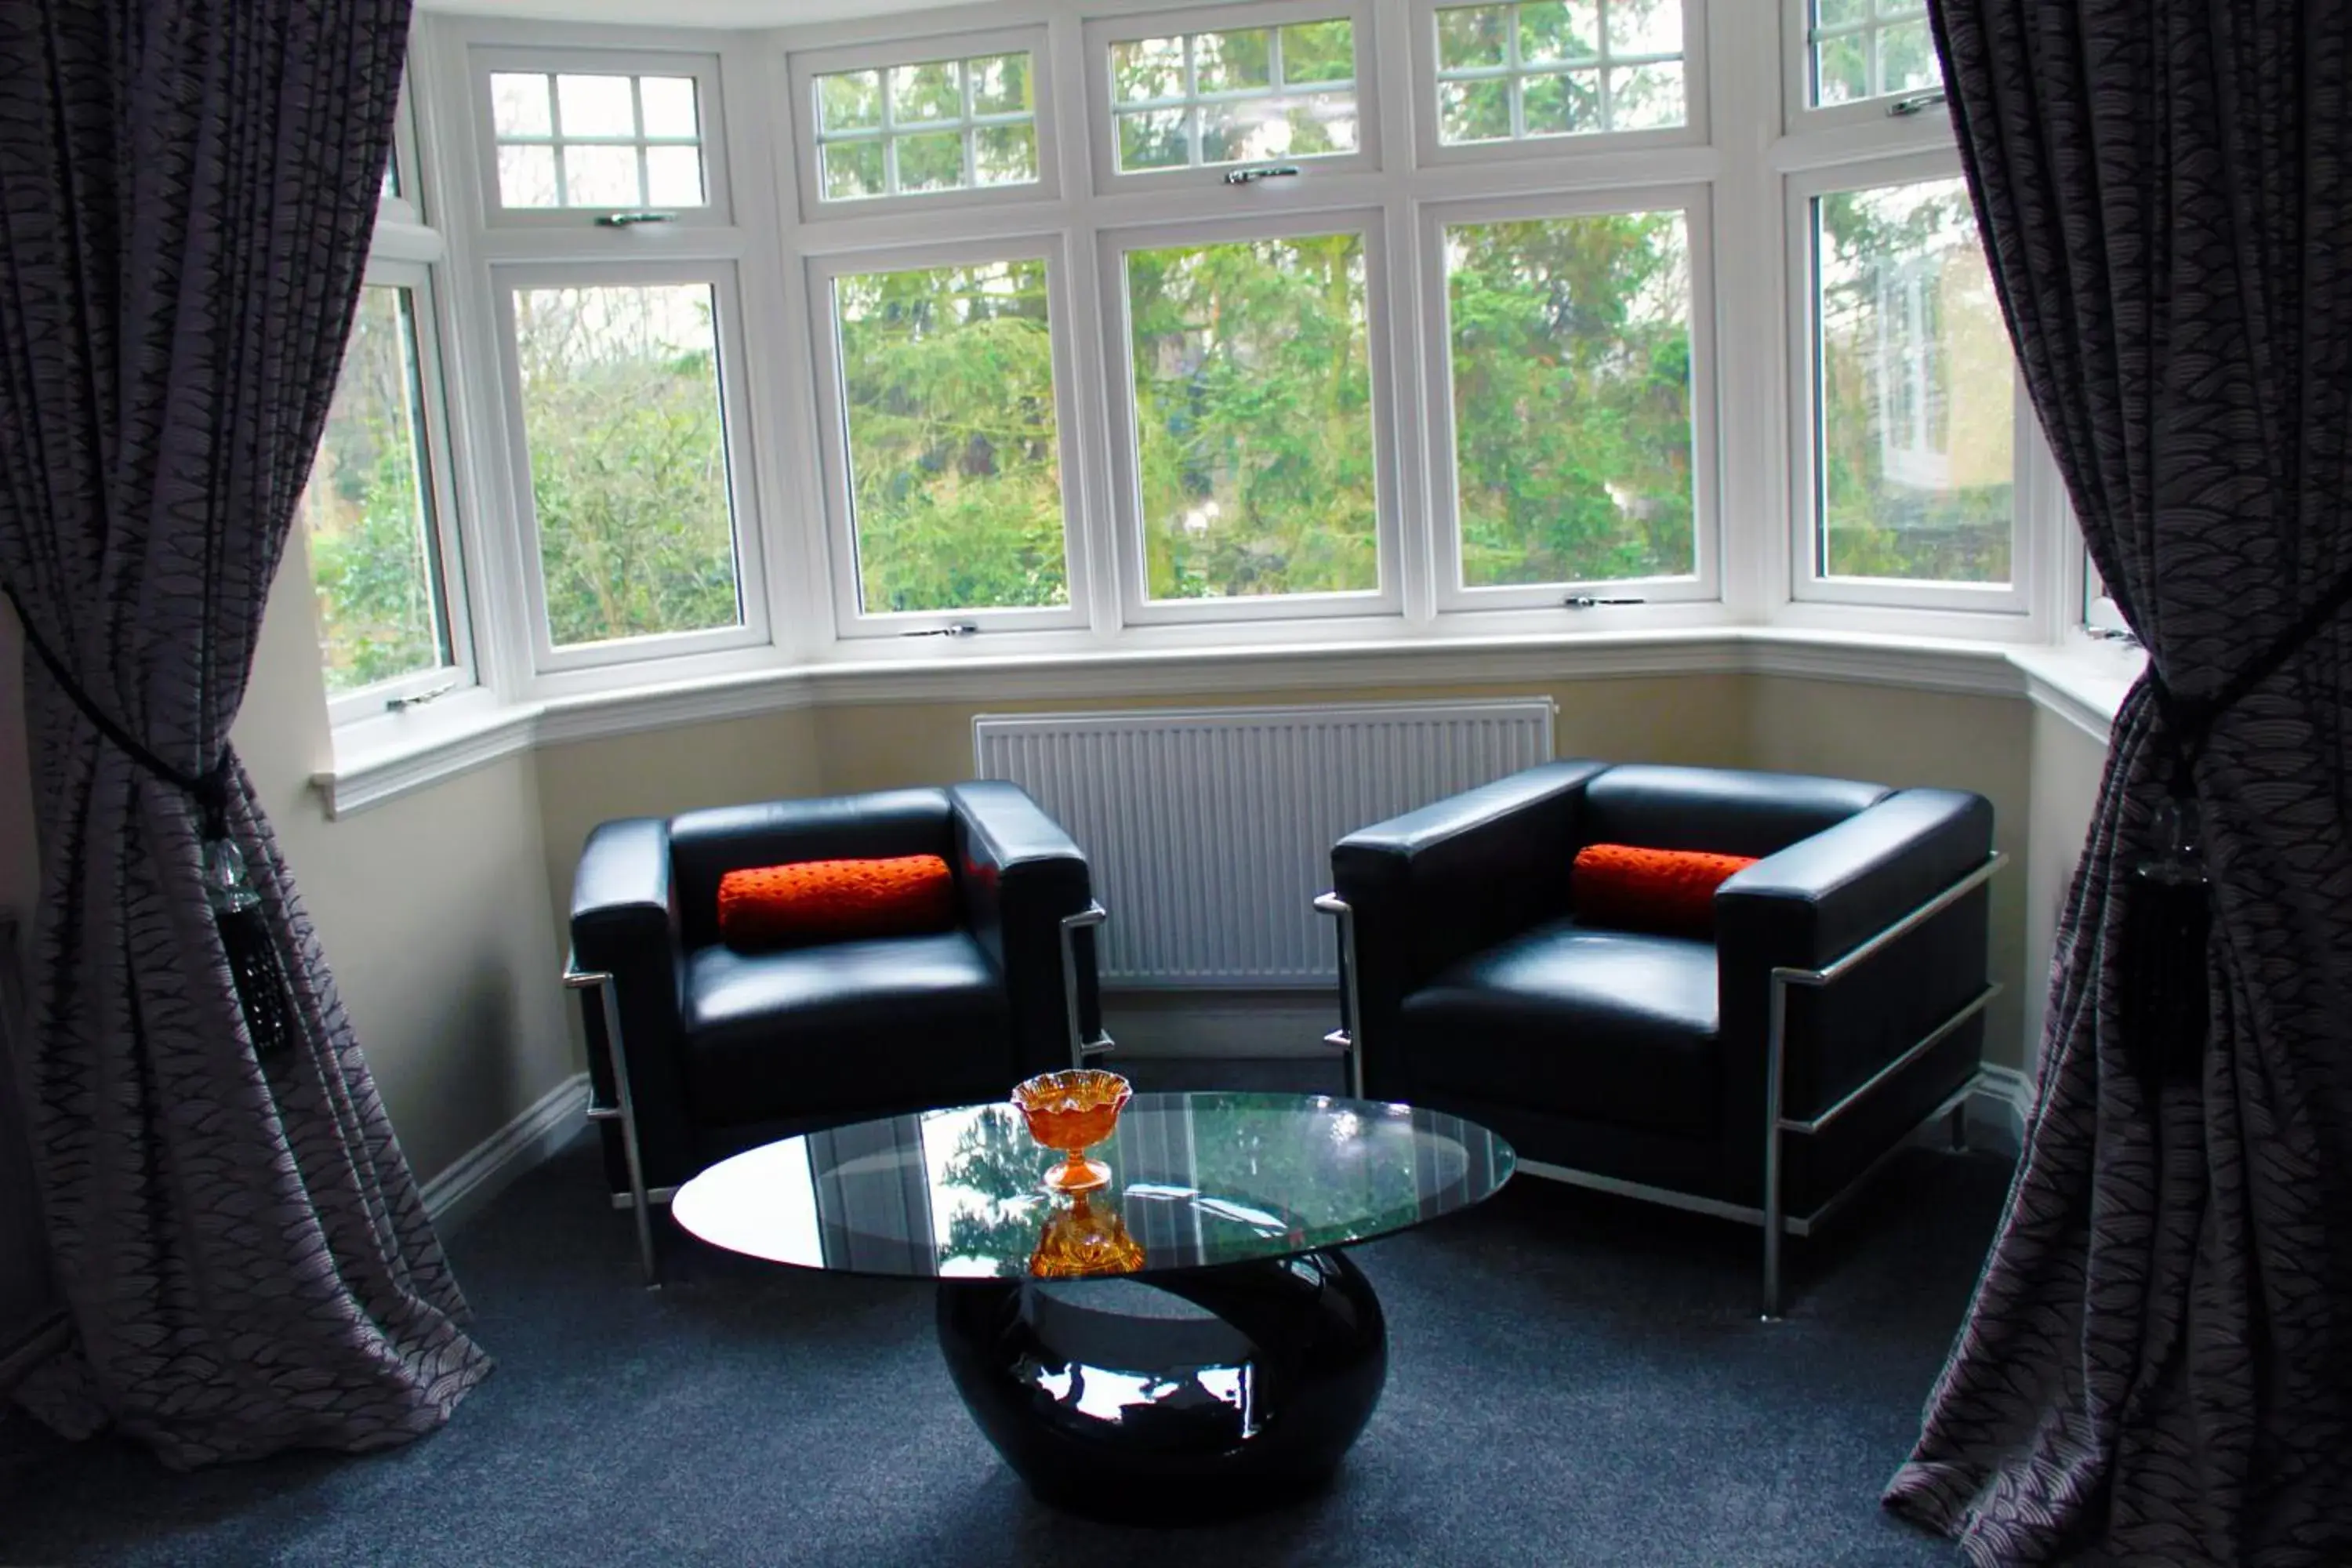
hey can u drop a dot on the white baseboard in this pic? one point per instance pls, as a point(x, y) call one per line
point(483, 1171)
point(1998, 1109)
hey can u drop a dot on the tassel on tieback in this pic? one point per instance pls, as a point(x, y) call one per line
point(2167, 920)
point(263, 992)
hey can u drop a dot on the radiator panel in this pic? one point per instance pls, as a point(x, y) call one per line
point(1210, 831)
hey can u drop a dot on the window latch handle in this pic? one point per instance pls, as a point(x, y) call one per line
point(1587, 601)
point(954, 629)
point(631, 220)
point(418, 700)
point(1251, 176)
point(1918, 102)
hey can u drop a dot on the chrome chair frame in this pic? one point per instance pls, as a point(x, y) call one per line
point(1348, 1039)
point(640, 1200)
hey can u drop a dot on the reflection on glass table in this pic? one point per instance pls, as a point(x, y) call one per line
point(1199, 1179)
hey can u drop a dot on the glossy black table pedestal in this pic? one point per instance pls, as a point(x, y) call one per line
point(1173, 1399)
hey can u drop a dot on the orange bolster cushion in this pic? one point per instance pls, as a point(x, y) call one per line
point(836, 901)
point(1670, 890)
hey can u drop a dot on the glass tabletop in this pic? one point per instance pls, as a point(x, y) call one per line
point(1196, 1180)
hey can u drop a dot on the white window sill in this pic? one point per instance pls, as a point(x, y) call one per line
point(381, 759)
point(2082, 680)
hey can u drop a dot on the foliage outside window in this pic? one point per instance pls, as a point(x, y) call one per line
point(1253, 418)
point(1242, 96)
point(1558, 67)
point(569, 139)
point(1916, 390)
point(947, 378)
point(367, 509)
point(1572, 365)
point(621, 412)
point(1868, 49)
point(940, 125)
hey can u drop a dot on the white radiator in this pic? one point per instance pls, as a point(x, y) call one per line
point(1210, 831)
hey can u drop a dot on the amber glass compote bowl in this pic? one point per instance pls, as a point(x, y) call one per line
point(1072, 1111)
point(1081, 1241)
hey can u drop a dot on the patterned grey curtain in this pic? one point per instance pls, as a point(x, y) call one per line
point(2158, 1364)
point(186, 192)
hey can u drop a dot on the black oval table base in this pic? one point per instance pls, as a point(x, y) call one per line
point(1175, 1398)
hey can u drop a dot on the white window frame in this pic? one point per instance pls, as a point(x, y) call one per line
point(1136, 608)
point(1705, 582)
point(2030, 501)
point(483, 60)
point(409, 208)
point(804, 67)
point(1924, 106)
point(435, 448)
point(851, 620)
point(1429, 152)
point(736, 419)
point(1102, 128)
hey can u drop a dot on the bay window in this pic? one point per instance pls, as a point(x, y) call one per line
point(1164, 328)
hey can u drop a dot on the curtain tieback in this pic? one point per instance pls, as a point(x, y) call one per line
point(262, 989)
point(2170, 914)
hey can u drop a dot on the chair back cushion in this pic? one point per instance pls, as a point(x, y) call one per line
point(707, 845)
point(1634, 889)
point(1726, 811)
point(834, 901)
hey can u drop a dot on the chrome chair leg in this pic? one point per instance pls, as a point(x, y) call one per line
point(1348, 1038)
point(623, 1110)
point(1088, 919)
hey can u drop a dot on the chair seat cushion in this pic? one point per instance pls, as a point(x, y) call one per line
point(1604, 1025)
point(843, 1028)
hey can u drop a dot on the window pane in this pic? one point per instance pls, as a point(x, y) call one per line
point(1256, 93)
point(1558, 67)
point(668, 103)
point(628, 459)
point(1865, 51)
point(1571, 363)
point(1253, 415)
point(367, 509)
point(600, 176)
point(518, 104)
point(527, 177)
point(595, 106)
point(955, 463)
point(1916, 390)
point(674, 176)
point(908, 129)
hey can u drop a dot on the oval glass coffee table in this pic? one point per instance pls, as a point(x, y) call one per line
point(1185, 1340)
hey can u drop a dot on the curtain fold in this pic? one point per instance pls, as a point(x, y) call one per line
point(187, 189)
point(2157, 1364)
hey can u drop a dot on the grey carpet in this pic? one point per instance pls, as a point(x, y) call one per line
point(1573, 1380)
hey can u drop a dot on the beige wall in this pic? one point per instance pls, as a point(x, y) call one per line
point(2068, 764)
point(432, 908)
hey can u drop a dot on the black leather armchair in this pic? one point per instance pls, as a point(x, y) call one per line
point(1758, 1076)
point(696, 1051)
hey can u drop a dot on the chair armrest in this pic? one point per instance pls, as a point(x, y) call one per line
point(1436, 885)
point(1021, 875)
point(1823, 896)
point(1820, 898)
point(625, 923)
